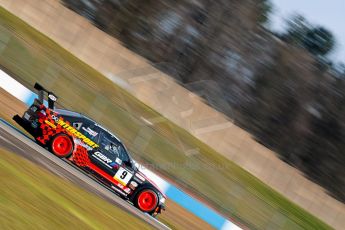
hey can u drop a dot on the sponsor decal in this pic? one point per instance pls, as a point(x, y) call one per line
point(114, 165)
point(123, 176)
point(79, 142)
point(76, 133)
point(90, 131)
point(118, 160)
point(103, 157)
point(52, 97)
point(135, 184)
point(50, 124)
point(70, 129)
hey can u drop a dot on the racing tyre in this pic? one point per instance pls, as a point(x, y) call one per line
point(61, 145)
point(146, 200)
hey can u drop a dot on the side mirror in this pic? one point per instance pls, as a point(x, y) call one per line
point(128, 163)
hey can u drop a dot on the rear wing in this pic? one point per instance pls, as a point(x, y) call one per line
point(51, 96)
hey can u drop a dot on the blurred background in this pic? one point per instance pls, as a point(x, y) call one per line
point(275, 72)
point(275, 68)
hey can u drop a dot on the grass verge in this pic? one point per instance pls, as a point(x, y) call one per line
point(31, 197)
point(31, 57)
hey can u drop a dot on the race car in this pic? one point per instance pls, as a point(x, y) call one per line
point(88, 145)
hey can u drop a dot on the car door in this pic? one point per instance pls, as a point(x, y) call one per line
point(112, 157)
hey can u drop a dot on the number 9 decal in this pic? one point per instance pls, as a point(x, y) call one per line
point(123, 176)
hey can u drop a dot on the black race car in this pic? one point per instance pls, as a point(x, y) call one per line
point(88, 145)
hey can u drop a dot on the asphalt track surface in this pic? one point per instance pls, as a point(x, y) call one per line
point(19, 144)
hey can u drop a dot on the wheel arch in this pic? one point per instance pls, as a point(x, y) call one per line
point(142, 187)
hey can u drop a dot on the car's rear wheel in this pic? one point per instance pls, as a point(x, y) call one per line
point(61, 145)
point(146, 200)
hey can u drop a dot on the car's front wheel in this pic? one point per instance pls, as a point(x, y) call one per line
point(61, 145)
point(146, 200)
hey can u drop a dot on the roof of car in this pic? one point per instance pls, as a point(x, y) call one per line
point(70, 113)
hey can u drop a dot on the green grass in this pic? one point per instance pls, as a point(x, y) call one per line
point(32, 57)
point(33, 198)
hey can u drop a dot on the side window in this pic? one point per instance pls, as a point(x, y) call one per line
point(113, 147)
point(123, 153)
point(77, 125)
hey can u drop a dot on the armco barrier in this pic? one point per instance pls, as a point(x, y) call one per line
point(197, 208)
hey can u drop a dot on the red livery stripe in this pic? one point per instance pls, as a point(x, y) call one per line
point(106, 176)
